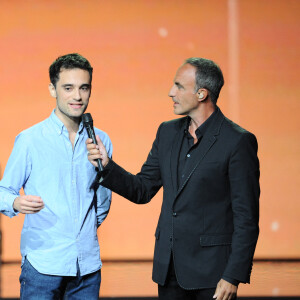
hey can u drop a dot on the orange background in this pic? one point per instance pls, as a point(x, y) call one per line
point(135, 48)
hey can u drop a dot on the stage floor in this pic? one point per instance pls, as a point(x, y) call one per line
point(133, 279)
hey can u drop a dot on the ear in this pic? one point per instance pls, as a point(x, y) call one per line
point(52, 90)
point(202, 94)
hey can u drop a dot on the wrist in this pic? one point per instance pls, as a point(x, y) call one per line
point(15, 204)
point(105, 163)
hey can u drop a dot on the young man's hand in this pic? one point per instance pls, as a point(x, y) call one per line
point(28, 204)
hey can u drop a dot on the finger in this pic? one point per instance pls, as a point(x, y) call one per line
point(93, 158)
point(221, 295)
point(93, 155)
point(89, 141)
point(32, 198)
point(216, 291)
point(99, 141)
point(29, 211)
point(94, 151)
point(31, 205)
point(34, 205)
point(93, 162)
point(91, 146)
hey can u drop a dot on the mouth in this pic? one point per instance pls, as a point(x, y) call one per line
point(76, 105)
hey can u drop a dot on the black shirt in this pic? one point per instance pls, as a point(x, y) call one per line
point(188, 147)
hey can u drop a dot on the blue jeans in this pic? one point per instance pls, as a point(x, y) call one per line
point(37, 286)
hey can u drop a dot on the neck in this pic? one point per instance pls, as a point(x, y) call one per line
point(200, 116)
point(72, 124)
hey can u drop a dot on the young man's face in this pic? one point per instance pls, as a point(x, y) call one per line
point(72, 93)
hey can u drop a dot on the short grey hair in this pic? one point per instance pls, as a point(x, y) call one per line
point(208, 76)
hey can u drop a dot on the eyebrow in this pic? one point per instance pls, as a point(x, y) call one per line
point(70, 84)
point(86, 85)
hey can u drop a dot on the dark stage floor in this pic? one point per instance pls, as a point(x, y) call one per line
point(155, 298)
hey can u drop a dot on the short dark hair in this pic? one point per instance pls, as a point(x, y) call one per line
point(208, 76)
point(69, 61)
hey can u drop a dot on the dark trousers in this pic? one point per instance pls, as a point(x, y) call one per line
point(172, 291)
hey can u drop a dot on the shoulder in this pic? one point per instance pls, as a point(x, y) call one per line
point(237, 134)
point(103, 136)
point(173, 125)
point(27, 136)
point(175, 122)
point(235, 129)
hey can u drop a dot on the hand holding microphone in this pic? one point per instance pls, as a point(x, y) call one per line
point(97, 154)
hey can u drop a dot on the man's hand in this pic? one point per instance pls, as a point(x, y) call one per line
point(96, 151)
point(28, 204)
point(225, 290)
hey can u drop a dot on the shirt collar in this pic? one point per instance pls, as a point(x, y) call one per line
point(59, 125)
point(200, 131)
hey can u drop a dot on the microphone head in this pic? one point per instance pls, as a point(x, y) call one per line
point(87, 120)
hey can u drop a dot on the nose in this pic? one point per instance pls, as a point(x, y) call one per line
point(172, 91)
point(77, 95)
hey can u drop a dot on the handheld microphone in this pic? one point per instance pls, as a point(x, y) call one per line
point(87, 121)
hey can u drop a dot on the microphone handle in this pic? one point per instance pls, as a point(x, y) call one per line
point(92, 136)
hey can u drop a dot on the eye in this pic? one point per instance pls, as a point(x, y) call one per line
point(67, 88)
point(85, 88)
point(179, 86)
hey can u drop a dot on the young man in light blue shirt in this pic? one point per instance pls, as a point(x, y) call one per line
point(59, 244)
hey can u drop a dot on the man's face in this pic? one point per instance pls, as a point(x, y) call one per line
point(72, 93)
point(183, 91)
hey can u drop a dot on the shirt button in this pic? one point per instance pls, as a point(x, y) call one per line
point(171, 238)
point(174, 214)
point(188, 155)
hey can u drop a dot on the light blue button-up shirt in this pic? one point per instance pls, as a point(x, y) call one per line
point(44, 163)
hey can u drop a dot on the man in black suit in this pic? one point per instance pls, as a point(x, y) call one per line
point(208, 167)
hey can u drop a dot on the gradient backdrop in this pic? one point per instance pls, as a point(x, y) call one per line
point(135, 48)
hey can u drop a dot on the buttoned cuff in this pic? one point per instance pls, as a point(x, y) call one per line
point(8, 207)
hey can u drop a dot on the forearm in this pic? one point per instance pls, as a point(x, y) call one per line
point(139, 188)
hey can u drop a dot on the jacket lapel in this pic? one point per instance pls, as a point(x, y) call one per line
point(205, 145)
point(175, 150)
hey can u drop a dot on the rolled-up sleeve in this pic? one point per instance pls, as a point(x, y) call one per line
point(15, 176)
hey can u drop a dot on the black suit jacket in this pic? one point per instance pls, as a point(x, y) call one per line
point(211, 221)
